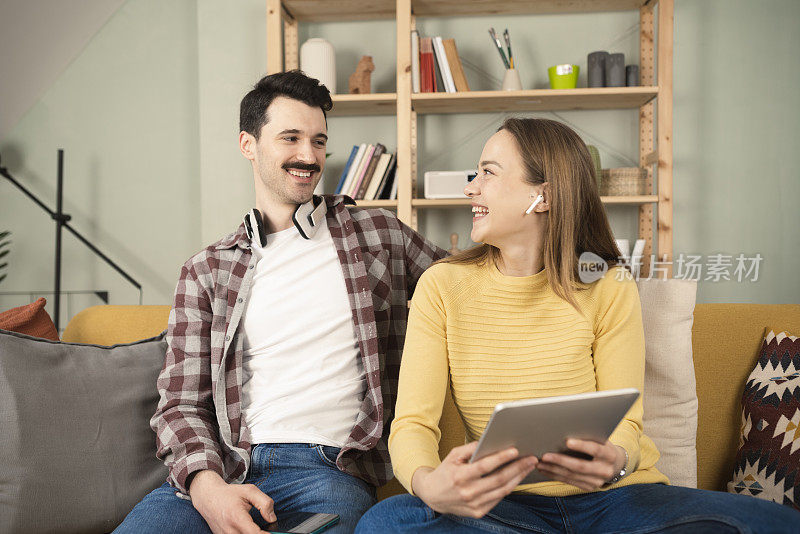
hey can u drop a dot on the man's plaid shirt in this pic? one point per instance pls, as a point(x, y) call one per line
point(199, 422)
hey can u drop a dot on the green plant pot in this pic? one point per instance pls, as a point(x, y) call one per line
point(563, 76)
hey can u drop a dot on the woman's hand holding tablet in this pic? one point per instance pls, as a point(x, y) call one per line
point(467, 489)
point(607, 460)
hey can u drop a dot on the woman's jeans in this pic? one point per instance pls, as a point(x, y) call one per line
point(639, 508)
point(299, 477)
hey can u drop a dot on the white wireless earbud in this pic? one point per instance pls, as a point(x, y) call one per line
point(534, 204)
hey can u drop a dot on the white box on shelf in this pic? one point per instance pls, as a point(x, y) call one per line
point(447, 184)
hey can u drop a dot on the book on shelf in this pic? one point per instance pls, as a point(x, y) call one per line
point(369, 171)
point(440, 68)
point(393, 194)
point(385, 188)
point(351, 171)
point(378, 177)
point(438, 76)
point(415, 61)
point(362, 167)
point(444, 67)
point(426, 66)
point(454, 62)
point(343, 177)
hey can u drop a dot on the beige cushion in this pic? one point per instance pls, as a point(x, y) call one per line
point(670, 397)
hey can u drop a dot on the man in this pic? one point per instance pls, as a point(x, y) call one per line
point(285, 337)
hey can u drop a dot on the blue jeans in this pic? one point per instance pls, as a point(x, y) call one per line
point(299, 477)
point(639, 509)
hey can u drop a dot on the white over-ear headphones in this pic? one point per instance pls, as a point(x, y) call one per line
point(306, 218)
point(534, 204)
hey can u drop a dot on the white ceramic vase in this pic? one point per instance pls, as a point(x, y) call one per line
point(318, 60)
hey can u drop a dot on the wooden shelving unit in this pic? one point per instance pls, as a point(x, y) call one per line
point(653, 98)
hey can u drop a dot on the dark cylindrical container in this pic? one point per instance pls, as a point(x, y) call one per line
point(596, 68)
point(615, 70)
point(632, 75)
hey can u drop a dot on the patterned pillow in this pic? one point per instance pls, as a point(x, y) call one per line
point(768, 460)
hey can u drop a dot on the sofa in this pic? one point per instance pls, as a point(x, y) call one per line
point(709, 349)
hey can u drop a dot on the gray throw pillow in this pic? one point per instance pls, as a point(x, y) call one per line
point(76, 449)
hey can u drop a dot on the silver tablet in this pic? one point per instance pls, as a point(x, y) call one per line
point(537, 426)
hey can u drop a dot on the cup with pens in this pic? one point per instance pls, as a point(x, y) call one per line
point(511, 80)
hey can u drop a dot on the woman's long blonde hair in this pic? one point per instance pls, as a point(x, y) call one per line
point(576, 222)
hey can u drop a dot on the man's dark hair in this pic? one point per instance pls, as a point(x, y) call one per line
point(292, 84)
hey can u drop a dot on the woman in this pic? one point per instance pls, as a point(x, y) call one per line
point(510, 320)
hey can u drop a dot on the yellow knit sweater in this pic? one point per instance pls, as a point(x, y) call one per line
point(499, 338)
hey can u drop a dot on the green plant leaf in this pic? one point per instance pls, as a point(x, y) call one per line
point(3, 254)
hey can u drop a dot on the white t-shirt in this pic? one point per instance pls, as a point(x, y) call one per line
point(303, 380)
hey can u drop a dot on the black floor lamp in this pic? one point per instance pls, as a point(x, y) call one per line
point(62, 221)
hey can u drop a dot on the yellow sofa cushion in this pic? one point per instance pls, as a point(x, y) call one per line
point(726, 339)
point(109, 325)
point(725, 343)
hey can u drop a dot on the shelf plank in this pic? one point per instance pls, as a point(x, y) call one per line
point(493, 101)
point(391, 204)
point(464, 202)
point(533, 100)
point(371, 104)
point(351, 10)
point(440, 202)
point(451, 8)
point(340, 10)
point(634, 200)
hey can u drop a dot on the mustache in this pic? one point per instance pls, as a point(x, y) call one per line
point(313, 167)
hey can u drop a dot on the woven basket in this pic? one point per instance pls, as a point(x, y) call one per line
point(626, 181)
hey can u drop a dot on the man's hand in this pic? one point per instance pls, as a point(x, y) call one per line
point(471, 489)
point(607, 460)
point(226, 507)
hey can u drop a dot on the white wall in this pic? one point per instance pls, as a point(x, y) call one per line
point(125, 112)
point(39, 38)
point(148, 114)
